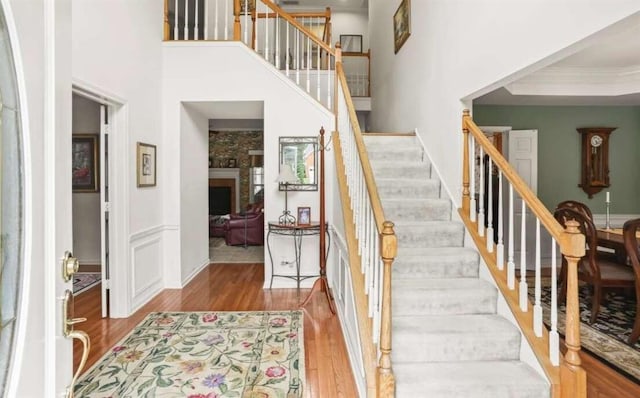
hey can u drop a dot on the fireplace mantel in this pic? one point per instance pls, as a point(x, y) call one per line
point(226, 174)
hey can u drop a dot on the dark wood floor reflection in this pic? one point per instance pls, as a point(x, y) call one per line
point(235, 287)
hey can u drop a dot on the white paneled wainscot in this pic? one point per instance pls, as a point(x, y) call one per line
point(145, 273)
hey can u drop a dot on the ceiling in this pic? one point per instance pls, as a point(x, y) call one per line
point(604, 71)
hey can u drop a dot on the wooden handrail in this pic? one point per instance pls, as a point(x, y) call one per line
point(372, 188)
point(283, 14)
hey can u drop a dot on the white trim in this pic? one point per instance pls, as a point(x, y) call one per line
point(195, 272)
point(141, 296)
point(145, 233)
point(22, 314)
point(434, 167)
point(616, 220)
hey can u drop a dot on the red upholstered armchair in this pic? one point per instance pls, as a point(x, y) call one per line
point(246, 228)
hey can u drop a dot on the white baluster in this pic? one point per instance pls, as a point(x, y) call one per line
point(554, 338)
point(481, 195)
point(215, 25)
point(537, 307)
point(226, 19)
point(308, 64)
point(490, 209)
point(277, 22)
point(500, 246)
point(329, 75)
point(186, 19)
point(176, 31)
point(297, 57)
point(196, 35)
point(318, 73)
point(206, 19)
point(246, 21)
point(472, 172)
point(287, 53)
point(524, 299)
point(511, 265)
point(266, 33)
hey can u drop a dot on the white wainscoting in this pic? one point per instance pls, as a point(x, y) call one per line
point(339, 276)
point(145, 272)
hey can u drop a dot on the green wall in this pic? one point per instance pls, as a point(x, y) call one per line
point(559, 150)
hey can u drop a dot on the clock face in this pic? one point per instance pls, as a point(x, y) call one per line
point(596, 141)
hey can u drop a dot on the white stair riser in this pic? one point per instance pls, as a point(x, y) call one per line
point(434, 267)
point(394, 189)
point(430, 210)
point(412, 154)
point(412, 301)
point(445, 235)
point(402, 170)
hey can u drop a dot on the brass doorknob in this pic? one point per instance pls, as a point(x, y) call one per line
point(70, 266)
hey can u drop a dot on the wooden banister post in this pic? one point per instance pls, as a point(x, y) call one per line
point(236, 20)
point(465, 163)
point(388, 250)
point(573, 378)
point(167, 27)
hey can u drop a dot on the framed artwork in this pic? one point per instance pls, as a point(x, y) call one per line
point(84, 165)
point(401, 24)
point(146, 165)
point(232, 163)
point(304, 215)
point(251, 4)
point(351, 43)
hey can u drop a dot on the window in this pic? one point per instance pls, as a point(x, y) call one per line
point(11, 202)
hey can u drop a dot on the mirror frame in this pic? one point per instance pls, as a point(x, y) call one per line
point(287, 141)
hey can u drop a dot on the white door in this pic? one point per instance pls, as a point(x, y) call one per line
point(523, 156)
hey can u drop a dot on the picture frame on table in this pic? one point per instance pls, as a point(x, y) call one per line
point(84, 164)
point(401, 24)
point(145, 165)
point(304, 215)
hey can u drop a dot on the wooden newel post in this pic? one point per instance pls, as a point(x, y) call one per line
point(573, 378)
point(388, 250)
point(338, 52)
point(236, 20)
point(465, 163)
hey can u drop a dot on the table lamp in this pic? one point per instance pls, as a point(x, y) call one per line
point(285, 178)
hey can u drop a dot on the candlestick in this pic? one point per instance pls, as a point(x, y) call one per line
point(608, 198)
point(607, 222)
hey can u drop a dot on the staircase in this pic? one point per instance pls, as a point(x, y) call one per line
point(448, 340)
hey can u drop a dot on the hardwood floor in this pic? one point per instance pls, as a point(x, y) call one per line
point(235, 287)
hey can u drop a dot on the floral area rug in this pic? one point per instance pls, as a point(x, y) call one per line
point(607, 337)
point(83, 281)
point(204, 355)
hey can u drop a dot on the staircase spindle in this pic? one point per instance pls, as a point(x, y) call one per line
point(266, 33)
point(500, 245)
point(481, 196)
point(318, 74)
point(472, 174)
point(537, 307)
point(226, 19)
point(186, 19)
point(287, 55)
point(246, 22)
point(196, 33)
point(206, 19)
point(523, 259)
point(490, 208)
point(308, 68)
point(297, 65)
point(277, 38)
point(511, 265)
point(176, 30)
point(554, 337)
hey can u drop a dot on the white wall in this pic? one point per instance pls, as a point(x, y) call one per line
point(117, 50)
point(350, 23)
point(459, 47)
point(194, 192)
point(86, 205)
point(194, 72)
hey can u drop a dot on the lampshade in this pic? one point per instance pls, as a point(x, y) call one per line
point(286, 175)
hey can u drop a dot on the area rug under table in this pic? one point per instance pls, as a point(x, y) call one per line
point(83, 281)
point(204, 355)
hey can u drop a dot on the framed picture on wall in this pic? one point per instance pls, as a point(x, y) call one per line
point(84, 165)
point(304, 215)
point(351, 43)
point(401, 24)
point(145, 165)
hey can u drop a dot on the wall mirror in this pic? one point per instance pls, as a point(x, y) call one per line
point(300, 154)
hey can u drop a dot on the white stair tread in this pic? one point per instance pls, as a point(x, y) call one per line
point(422, 252)
point(451, 324)
point(469, 379)
point(452, 284)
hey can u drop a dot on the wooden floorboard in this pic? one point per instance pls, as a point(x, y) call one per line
point(235, 287)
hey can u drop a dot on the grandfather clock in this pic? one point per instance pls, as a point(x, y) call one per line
point(595, 159)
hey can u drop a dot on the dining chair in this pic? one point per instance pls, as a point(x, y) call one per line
point(578, 206)
point(629, 231)
point(595, 269)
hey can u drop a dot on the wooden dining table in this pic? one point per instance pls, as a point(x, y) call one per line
point(613, 239)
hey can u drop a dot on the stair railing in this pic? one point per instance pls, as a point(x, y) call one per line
point(491, 216)
point(371, 239)
point(357, 69)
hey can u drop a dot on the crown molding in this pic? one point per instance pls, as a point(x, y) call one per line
point(579, 81)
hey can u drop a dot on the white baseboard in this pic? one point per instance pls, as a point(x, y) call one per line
point(195, 272)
